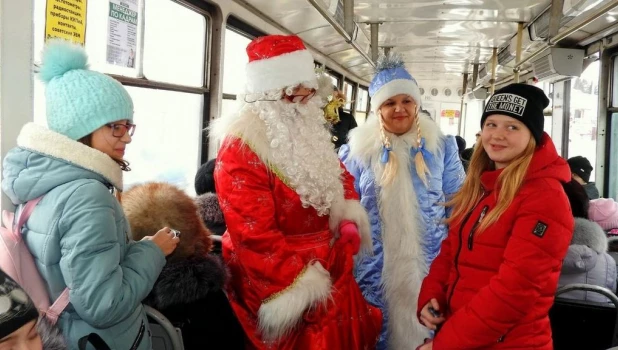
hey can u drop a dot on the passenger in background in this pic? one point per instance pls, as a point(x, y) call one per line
point(587, 260)
point(78, 232)
point(604, 211)
point(580, 171)
point(19, 328)
point(293, 217)
point(189, 290)
point(493, 283)
point(466, 154)
point(341, 122)
point(208, 204)
point(461, 147)
point(404, 169)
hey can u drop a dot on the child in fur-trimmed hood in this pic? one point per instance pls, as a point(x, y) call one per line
point(189, 290)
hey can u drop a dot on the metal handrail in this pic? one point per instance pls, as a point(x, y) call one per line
point(167, 326)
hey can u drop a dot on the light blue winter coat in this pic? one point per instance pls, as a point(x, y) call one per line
point(79, 237)
point(406, 220)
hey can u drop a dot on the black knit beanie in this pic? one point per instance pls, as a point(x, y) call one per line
point(205, 179)
point(520, 101)
point(16, 307)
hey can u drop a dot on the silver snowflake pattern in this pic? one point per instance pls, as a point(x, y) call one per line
point(287, 205)
point(225, 205)
point(218, 166)
point(262, 200)
point(270, 258)
point(254, 163)
point(295, 262)
point(238, 182)
point(250, 223)
point(309, 221)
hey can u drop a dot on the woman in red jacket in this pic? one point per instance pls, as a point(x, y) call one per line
point(494, 280)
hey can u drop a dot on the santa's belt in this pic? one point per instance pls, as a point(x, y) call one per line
point(309, 240)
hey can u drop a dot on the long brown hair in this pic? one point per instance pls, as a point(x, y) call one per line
point(509, 182)
point(124, 165)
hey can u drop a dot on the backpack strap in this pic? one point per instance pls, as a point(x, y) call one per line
point(58, 306)
point(95, 340)
point(25, 213)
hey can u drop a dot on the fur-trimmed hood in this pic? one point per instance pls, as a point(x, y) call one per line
point(45, 159)
point(209, 210)
point(590, 234)
point(152, 206)
point(51, 336)
point(365, 142)
point(188, 280)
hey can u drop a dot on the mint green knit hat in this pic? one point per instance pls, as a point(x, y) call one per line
point(79, 101)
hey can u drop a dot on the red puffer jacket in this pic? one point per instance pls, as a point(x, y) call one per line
point(497, 287)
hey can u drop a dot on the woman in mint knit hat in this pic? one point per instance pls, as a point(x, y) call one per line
point(78, 233)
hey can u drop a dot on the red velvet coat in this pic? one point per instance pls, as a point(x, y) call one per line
point(497, 287)
point(272, 246)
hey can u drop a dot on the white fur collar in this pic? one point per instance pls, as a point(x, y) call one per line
point(39, 139)
point(365, 143)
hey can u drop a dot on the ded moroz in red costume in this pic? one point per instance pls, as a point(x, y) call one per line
point(284, 195)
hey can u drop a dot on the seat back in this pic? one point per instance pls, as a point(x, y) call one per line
point(578, 324)
point(164, 335)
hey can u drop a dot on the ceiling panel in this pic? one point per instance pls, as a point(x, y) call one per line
point(295, 15)
point(443, 33)
point(445, 53)
point(458, 10)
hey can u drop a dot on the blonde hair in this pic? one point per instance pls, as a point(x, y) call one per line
point(390, 170)
point(508, 184)
point(392, 165)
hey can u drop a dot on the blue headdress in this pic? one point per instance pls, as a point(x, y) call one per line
point(392, 79)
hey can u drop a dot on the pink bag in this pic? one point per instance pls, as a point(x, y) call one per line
point(18, 263)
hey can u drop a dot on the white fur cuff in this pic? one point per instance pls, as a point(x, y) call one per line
point(352, 210)
point(278, 316)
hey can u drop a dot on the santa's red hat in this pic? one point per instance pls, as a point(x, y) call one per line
point(277, 62)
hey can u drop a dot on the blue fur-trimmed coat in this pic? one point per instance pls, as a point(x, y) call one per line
point(406, 220)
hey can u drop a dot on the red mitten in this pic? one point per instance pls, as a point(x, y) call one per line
point(348, 233)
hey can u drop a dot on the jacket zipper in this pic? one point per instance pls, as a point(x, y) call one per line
point(140, 336)
point(476, 225)
point(463, 223)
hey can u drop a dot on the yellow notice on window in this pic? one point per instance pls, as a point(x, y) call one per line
point(66, 19)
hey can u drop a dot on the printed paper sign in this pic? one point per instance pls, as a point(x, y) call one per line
point(66, 19)
point(122, 32)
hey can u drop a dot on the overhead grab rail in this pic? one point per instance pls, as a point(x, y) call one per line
point(569, 31)
point(341, 30)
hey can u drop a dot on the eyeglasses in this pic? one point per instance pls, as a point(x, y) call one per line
point(119, 130)
point(299, 98)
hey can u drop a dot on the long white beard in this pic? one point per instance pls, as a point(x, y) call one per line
point(301, 150)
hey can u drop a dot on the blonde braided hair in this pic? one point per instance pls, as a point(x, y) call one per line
point(419, 161)
point(390, 170)
point(392, 164)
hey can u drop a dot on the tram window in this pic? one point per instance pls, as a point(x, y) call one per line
point(167, 138)
point(234, 62)
point(548, 88)
point(583, 115)
point(348, 90)
point(334, 79)
point(361, 106)
point(613, 156)
point(174, 54)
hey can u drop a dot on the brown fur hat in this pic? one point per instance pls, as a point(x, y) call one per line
point(152, 206)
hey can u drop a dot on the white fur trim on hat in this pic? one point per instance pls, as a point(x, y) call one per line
point(393, 88)
point(279, 72)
